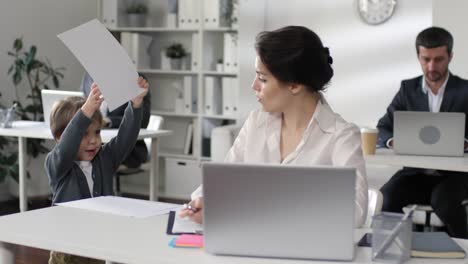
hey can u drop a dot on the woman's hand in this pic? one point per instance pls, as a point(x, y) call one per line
point(193, 210)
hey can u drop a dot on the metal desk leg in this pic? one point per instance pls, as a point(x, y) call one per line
point(23, 198)
point(154, 171)
point(7, 253)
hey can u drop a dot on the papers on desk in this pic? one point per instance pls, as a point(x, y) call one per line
point(177, 225)
point(123, 206)
point(105, 60)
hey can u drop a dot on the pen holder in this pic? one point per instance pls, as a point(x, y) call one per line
point(8, 116)
point(391, 239)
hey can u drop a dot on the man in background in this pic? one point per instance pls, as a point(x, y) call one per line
point(437, 90)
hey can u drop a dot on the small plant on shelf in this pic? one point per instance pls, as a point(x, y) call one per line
point(136, 8)
point(176, 51)
point(136, 13)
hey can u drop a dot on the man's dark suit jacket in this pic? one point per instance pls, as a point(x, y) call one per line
point(411, 97)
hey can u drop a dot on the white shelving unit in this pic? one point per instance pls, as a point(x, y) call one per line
point(180, 171)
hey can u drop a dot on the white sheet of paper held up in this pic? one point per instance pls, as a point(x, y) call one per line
point(105, 60)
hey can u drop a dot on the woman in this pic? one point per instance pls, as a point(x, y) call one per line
point(295, 125)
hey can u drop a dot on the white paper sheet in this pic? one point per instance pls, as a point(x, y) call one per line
point(123, 206)
point(105, 60)
point(185, 225)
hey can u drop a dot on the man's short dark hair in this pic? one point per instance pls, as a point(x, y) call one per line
point(434, 37)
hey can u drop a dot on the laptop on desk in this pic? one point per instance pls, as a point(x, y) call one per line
point(279, 211)
point(49, 97)
point(427, 133)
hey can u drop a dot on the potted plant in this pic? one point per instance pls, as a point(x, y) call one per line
point(27, 70)
point(136, 13)
point(176, 52)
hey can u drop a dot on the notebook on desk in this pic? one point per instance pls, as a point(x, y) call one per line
point(279, 211)
point(427, 245)
point(427, 133)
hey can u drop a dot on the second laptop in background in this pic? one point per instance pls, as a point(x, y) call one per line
point(427, 133)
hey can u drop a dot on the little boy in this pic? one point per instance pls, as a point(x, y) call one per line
point(78, 166)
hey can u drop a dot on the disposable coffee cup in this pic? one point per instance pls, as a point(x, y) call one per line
point(369, 140)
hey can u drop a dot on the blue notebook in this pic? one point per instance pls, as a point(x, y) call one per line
point(427, 245)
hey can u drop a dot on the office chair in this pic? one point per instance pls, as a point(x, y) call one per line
point(375, 200)
point(424, 215)
point(155, 123)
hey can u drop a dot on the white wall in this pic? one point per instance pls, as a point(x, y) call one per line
point(38, 22)
point(451, 15)
point(369, 61)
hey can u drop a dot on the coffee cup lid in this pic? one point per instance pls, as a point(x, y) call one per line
point(369, 130)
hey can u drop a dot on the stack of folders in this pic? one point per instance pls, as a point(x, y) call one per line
point(231, 64)
point(189, 15)
point(190, 94)
point(229, 93)
point(212, 96)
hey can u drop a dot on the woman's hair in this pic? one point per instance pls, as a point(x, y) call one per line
point(295, 54)
point(63, 112)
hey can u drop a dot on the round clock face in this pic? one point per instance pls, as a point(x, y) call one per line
point(376, 11)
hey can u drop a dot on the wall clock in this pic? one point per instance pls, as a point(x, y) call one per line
point(375, 12)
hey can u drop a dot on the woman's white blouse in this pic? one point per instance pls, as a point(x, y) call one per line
point(327, 140)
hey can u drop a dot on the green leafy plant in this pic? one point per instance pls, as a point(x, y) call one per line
point(228, 12)
point(176, 51)
point(38, 75)
point(136, 8)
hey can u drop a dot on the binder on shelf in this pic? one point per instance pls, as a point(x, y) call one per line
point(212, 94)
point(188, 139)
point(226, 95)
point(230, 52)
point(196, 142)
point(195, 51)
point(110, 13)
point(190, 94)
point(182, 13)
point(229, 95)
point(137, 46)
point(234, 95)
point(211, 13)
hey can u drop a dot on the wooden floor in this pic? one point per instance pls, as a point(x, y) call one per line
point(27, 255)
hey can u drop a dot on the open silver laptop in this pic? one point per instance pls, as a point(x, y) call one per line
point(49, 97)
point(427, 133)
point(279, 211)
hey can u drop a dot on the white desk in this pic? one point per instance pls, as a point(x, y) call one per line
point(126, 240)
point(33, 129)
point(387, 157)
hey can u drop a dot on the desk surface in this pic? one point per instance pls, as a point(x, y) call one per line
point(35, 129)
point(128, 240)
point(388, 157)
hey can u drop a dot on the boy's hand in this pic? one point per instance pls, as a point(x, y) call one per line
point(137, 101)
point(93, 102)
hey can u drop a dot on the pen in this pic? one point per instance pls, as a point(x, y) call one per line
point(191, 208)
